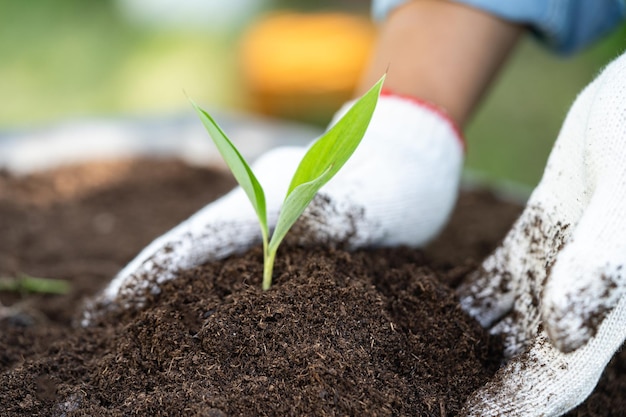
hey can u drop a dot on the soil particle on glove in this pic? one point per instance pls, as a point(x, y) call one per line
point(376, 333)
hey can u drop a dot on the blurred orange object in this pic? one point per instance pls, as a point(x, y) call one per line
point(304, 66)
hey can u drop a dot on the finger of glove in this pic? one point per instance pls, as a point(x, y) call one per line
point(544, 381)
point(588, 278)
point(509, 282)
point(537, 239)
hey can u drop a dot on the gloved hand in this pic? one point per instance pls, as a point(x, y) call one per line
point(555, 288)
point(398, 188)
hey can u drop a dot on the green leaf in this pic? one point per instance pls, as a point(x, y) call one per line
point(324, 159)
point(335, 147)
point(28, 284)
point(238, 166)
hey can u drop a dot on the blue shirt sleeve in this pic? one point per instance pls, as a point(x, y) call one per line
point(564, 26)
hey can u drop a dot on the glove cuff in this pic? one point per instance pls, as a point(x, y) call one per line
point(433, 108)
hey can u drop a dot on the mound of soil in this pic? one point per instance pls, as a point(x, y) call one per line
point(362, 333)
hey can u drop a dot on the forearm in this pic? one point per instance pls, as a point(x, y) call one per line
point(441, 52)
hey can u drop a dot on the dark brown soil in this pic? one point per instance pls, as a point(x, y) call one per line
point(365, 333)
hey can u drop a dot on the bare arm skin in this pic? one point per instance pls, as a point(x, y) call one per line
point(442, 52)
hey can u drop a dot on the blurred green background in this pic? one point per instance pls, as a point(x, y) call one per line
point(64, 59)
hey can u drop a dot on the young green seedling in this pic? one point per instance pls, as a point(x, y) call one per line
point(320, 163)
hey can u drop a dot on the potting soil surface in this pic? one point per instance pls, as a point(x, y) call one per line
point(365, 333)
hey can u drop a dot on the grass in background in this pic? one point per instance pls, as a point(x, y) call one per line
point(68, 58)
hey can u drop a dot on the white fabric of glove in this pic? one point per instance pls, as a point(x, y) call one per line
point(398, 188)
point(555, 289)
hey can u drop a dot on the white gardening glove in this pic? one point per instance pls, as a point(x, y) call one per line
point(397, 189)
point(400, 185)
point(555, 288)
